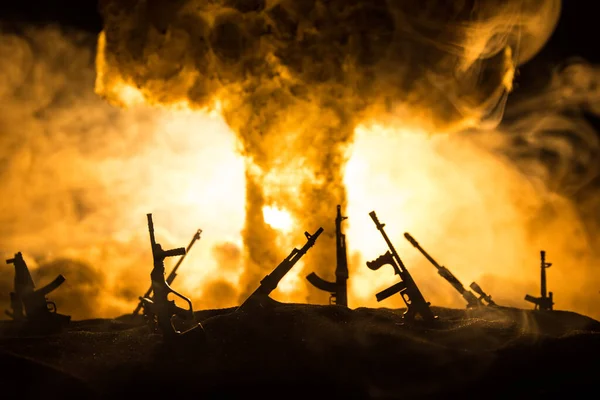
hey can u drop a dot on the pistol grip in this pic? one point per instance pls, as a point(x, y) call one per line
point(382, 260)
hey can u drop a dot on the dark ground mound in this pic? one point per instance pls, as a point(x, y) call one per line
point(308, 351)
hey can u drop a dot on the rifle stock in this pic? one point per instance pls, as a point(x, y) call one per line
point(270, 282)
point(338, 289)
point(408, 289)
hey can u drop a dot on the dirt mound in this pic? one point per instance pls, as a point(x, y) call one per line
point(26, 378)
point(301, 351)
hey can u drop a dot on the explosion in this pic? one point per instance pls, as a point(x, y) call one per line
point(295, 78)
point(78, 174)
point(386, 105)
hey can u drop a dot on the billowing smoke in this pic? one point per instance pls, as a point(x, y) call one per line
point(294, 78)
point(548, 137)
point(484, 203)
point(79, 175)
point(84, 283)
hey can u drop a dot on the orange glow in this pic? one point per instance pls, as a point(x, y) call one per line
point(278, 219)
point(200, 143)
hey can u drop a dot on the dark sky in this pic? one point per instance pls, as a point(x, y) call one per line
point(574, 35)
point(578, 25)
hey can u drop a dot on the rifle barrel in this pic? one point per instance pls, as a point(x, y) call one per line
point(152, 238)
point(173, 273)
point(421, 250)
point(443, 271)
point(296, 254)
point(270, 281)
point(543, 274)
point(387, 240)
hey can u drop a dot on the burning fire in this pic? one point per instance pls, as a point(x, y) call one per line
point(278, 219)
point(247, 140)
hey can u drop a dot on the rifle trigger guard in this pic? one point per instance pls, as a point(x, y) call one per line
point(188, 301)
point(51, 306)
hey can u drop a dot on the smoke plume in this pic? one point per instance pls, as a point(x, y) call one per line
point(327, 107)
point(295, 78)
point(79, 175)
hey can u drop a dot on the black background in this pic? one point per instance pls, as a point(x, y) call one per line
point(576, 35)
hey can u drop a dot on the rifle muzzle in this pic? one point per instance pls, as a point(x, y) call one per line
point(411, 239)
point(378, 224)
point(313, 238)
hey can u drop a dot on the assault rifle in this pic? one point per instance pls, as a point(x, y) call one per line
point(28, 304)
point(270, 282)
point(545, 302)
point(173, 273)
point(408, 289)
point(472, 300)
point(338, 289)
point(160, 309)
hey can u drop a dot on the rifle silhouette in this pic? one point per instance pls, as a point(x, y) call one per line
point(408, 289)
point(172, 275)
point(160, 307)
point(337, 289)
point(545, 302)
point(269, 283)
point(29, 304)
point(472, 300)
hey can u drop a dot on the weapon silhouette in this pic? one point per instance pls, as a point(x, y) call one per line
point(544, 302)
point(472, 300)
point(29, 304)
point(337, 289)
point(160, 309)
point(408, 289)
point(270, 282)
point(172, 275)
